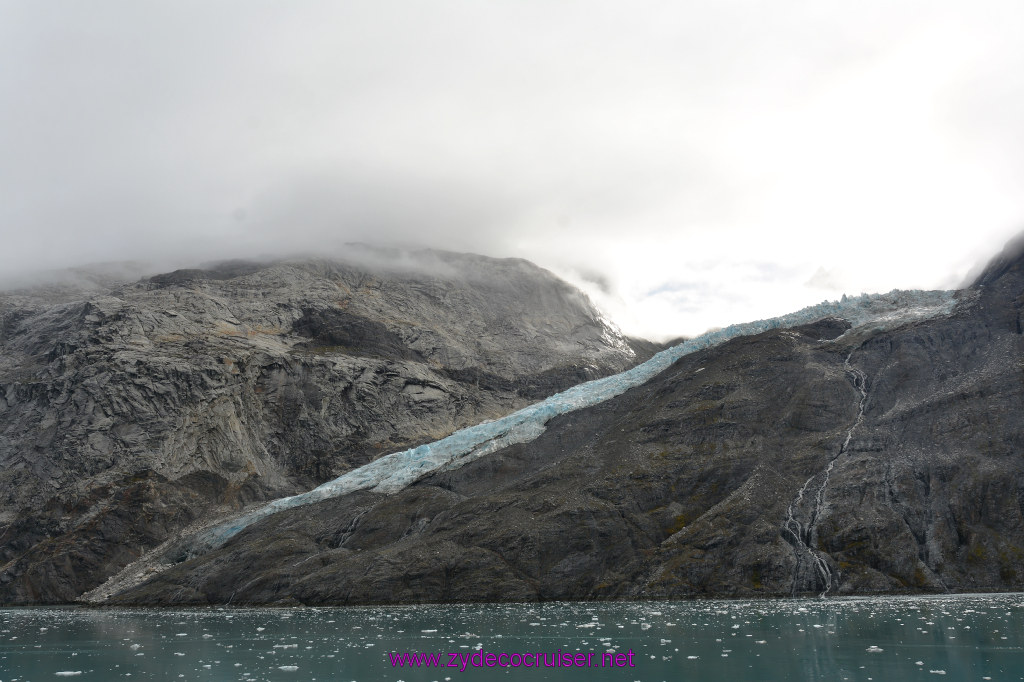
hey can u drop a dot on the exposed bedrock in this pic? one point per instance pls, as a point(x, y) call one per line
point(906, 443)
point(130, 410)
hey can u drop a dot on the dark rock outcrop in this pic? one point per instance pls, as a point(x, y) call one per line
point(130, 411)
point(798, 461)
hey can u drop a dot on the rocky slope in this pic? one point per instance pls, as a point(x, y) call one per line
point(131, 410)
point(803, 461)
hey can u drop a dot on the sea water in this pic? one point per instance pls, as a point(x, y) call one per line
point(964, 637)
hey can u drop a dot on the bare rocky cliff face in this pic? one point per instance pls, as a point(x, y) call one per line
point(131, 410)
point(814, 460)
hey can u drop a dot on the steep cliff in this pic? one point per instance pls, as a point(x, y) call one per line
point(130, 410)
point(812, 460)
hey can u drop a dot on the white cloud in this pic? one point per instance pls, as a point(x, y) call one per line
point(707, 159)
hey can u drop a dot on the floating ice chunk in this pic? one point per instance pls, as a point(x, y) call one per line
point(68, 673)
point(288, 668)
point(874, 649)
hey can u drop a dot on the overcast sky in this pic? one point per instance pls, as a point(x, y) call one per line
point(692, 163)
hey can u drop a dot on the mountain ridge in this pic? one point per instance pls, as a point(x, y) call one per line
point(810, 460)
point(129, 412)
point(800, 461)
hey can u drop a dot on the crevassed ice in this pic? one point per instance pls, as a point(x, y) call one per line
point(396, 471)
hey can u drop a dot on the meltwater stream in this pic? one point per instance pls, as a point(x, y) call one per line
point(803, 536)
point(398, 470)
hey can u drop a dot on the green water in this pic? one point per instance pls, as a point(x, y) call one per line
point(967, 637)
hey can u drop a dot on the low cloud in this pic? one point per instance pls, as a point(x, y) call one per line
point(738, 148)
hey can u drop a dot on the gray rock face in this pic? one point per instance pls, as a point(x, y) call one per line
point(803, 461)
point(130, 411)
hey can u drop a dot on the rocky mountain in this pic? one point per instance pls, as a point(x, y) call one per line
point(130, 410)
point(819, 459)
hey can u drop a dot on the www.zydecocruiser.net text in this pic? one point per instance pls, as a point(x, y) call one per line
point(532, 659)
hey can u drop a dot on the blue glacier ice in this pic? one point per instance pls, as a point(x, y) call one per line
point(393, 472)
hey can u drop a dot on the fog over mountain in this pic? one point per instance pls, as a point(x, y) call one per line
point(690, 165)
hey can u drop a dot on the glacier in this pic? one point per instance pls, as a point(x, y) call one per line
point(394, 472)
